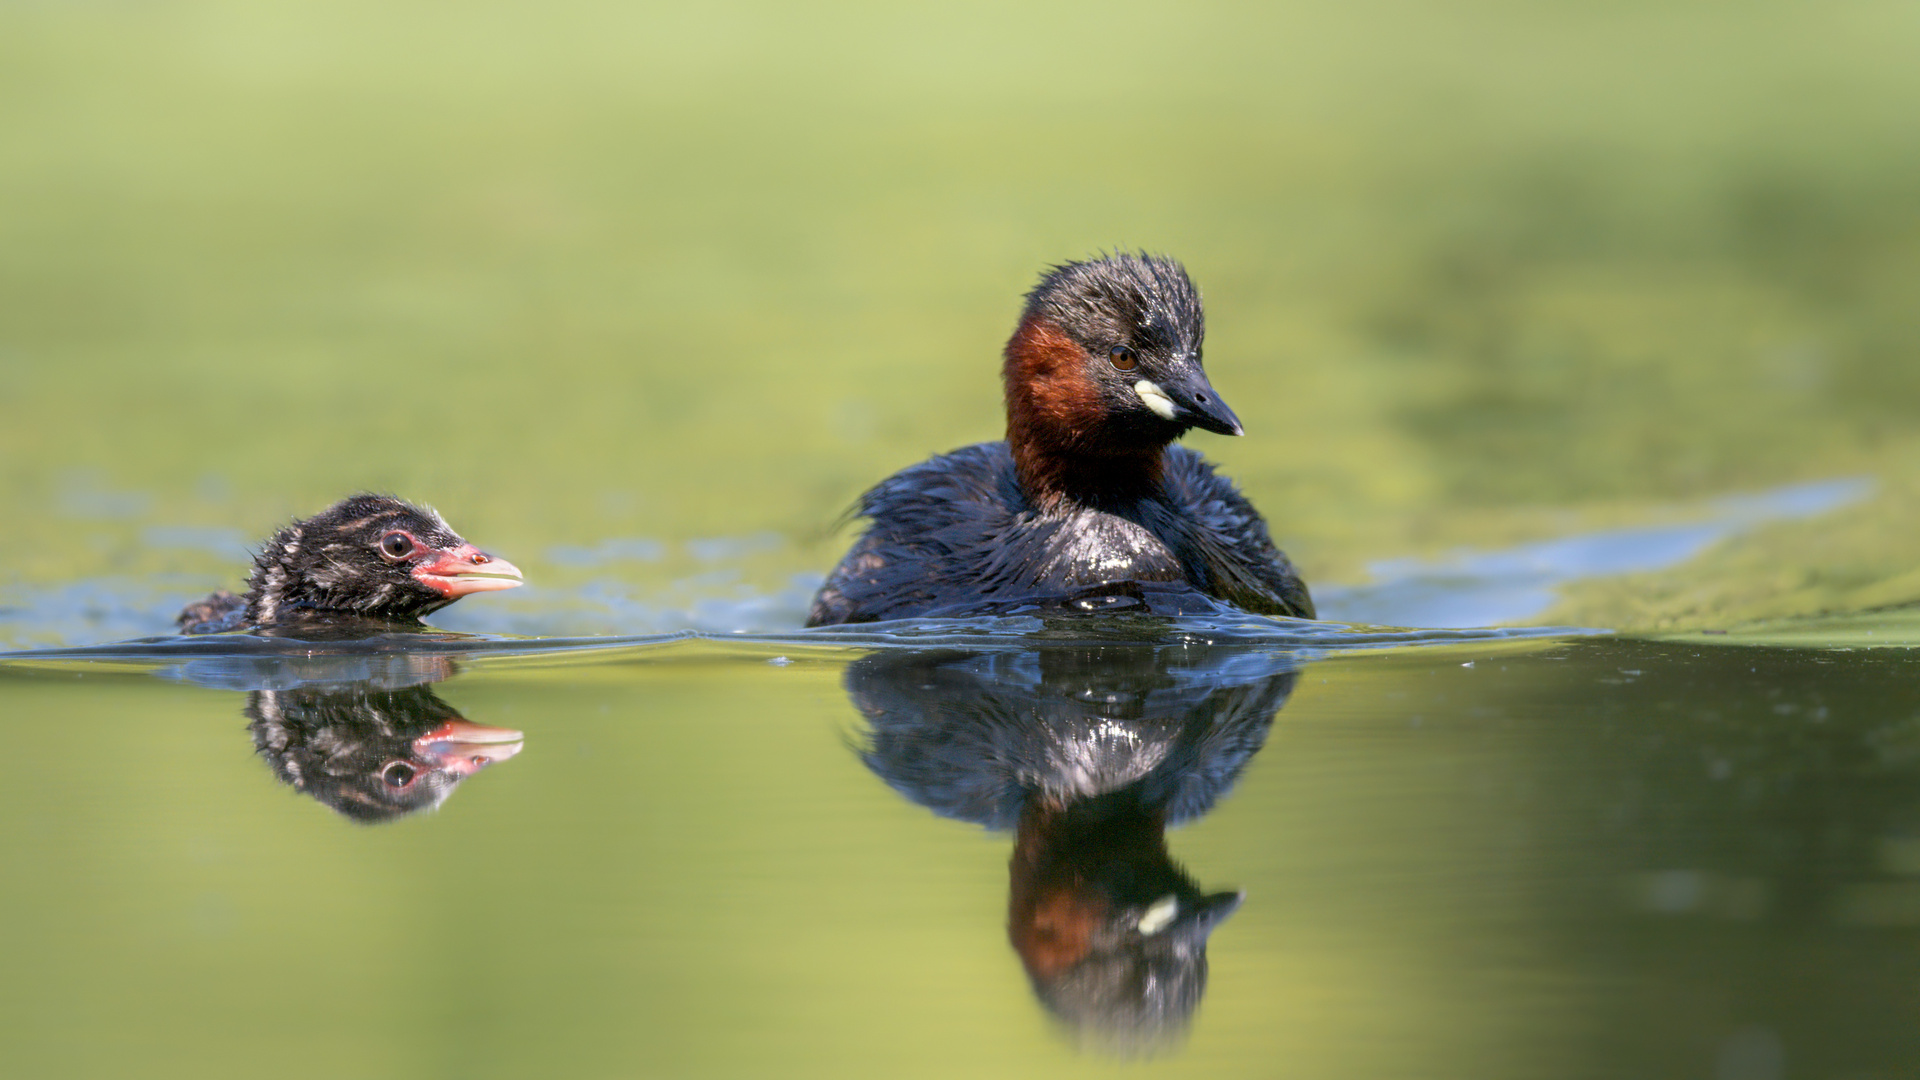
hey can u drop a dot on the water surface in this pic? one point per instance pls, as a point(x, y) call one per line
point(1489, 858)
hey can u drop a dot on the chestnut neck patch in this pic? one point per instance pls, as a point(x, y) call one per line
point(1060, 429)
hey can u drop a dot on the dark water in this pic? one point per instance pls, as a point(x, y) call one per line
point(1475, 857)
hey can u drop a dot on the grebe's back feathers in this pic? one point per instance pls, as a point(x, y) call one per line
point(220, 612)
point(1244, 565)
point(955, 535)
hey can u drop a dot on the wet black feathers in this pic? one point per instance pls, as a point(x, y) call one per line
point(327, 566)
point(1122, 296)
point(955, 535)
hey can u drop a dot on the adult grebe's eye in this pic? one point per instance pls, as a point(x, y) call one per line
point(398, 774)
point(396, 545)
point(1122, 358)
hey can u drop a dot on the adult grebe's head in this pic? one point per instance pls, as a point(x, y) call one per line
point(1103, 372)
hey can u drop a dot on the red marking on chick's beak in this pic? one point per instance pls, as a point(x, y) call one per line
point(463, 747)
point(467, 569)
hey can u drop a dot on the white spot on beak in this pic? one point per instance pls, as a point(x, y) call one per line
point(1160, 913)
point(1155, 398)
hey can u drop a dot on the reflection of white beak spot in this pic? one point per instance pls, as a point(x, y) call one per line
point(1161, 911)
point(1155, 398)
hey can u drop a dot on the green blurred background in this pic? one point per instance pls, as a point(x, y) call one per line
point(576, 272)
point(592, 274)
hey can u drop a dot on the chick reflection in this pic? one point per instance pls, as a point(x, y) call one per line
point(371, 753)
point(1089, 754)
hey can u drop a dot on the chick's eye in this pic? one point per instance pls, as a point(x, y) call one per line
point(1122, 357)
point(396, 545)
point(398, 774)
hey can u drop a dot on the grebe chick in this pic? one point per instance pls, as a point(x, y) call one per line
point(365, 558)
point(1086, 497)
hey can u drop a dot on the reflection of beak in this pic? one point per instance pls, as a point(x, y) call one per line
point(1203, 917)
point(458, 746)
point(467, 569)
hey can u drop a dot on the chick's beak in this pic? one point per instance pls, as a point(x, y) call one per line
point(467, 569)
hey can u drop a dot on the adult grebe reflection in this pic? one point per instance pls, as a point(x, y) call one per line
point(360, 730)
point(1089, 754)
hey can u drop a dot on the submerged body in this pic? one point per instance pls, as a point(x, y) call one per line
point(1086, 505)
point(367, 559)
